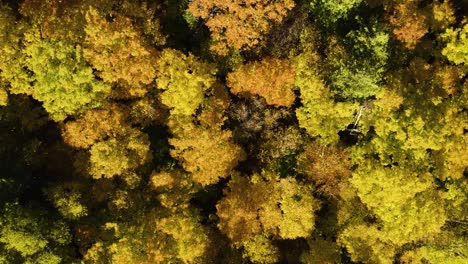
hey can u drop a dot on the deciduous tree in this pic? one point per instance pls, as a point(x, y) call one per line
point(117, 51)
point(95, 125)
point(209, 154)
point(333, 10)
point(320, 115)
point(31, 235)
point(183, 80)
point(274, 80)
point(239, 25)
point(116, 156)
point(325, 166)
point(409, 23)
point(265, 205)
point(456, 49)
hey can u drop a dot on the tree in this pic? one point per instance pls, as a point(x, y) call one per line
point(116, 50)
point(95, 125)
point(183, 80)
point(274, 79)
point(358, 73)
point(259, 249)
point(11, 59)
point(65, 84)
point(55, 19)
point(321, 251)
point(325, 166)
point(30, 235)
point(9, 38)
point(117, 156)
point(209, 154)
point(409, 23)
point(157, 236)
point(189, 235)
point(443, 14)
point(334, 10)
point(67, 201)
point(3, 97)
point(456, 49)
point(239, 25)
point(265, 205)
point(403, 200)
point(252, 116)
point(175, 188)
point(278, 148)
point(320, 115)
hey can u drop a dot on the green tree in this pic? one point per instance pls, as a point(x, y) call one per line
point(189, 235)
point(359, 74)
point(153, 237)
point(448, 247)
point(68, 201)
point(279, 147)
point(259, 249)
point(329, 12)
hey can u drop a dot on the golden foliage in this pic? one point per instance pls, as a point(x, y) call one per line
point(118, 156)
point(116, 50)
point(174, 187)
point(409, 24)
point(3, 97)
point(325, 166)
point(184, 80)
point(443, 14)
point(209, 154)
point(239, 24)
point(270, 78)
point(95, 125)
point(213, 107)
point(282, 208)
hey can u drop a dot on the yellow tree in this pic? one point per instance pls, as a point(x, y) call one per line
point(95, 125)
point(117, 51)
point(66, 85)
point(319, 114)
point(263, 207)
point(183, 80)
point(209, 154)
point(237, 24)
point(456, 49)
point(119, 156)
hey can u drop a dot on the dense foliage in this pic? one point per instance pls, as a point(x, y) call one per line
point(229, 131)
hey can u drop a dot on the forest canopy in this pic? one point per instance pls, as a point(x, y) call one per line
point(229, 131)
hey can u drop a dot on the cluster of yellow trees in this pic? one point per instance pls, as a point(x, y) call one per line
point(251, 131)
